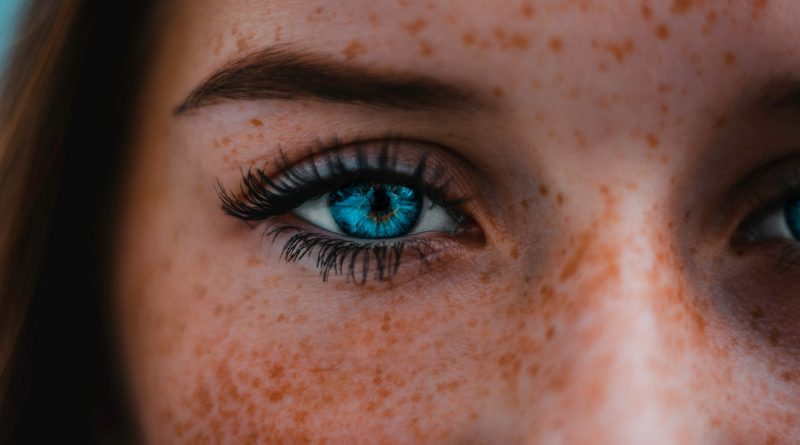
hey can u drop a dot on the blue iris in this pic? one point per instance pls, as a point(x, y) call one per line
point(792, 212)
point(375, 210)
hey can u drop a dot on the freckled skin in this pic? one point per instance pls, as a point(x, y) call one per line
point(600, 310)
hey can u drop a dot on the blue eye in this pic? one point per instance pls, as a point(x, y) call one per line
point(792, 215)
point(369, 210)
point(374, 210)
point(781, 223)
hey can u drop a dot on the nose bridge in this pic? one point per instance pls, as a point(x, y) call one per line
point(615, 280)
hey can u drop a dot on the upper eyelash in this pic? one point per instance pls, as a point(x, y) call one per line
point(261, 197)
point(770, 188)
point(785, 179)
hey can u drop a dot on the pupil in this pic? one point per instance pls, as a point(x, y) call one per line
point(380, 201)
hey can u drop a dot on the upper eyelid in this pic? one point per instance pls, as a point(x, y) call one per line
point(311, 174)
point(772, 179)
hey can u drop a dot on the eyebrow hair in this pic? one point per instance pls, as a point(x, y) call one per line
point(278, 73)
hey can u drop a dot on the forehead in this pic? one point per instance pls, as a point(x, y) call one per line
point(608, 44)
point(596, 69)
point(596, 35)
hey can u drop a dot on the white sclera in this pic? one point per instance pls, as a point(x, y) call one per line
point(432, 217)
point(774, 226)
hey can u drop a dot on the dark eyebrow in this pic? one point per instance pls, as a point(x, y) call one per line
point(279, 73)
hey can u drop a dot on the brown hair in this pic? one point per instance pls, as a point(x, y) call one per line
point(64, 111)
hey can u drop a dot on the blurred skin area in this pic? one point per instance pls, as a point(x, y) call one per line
point(608, 300)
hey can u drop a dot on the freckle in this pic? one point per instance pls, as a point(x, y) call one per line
point(524, 203)
point(774, 337)
point(652, 140)
point(580, 138)
point(647, 13)
point(555, 45)
point(730, 59)
point(497, 92)
point(514, 252)
point(500, 34)
point(664, 109)
point(485, 278)
point(549, 333)
point(787, 376)
point(543, 190)
point(256, 122)
point(519, 41)
point(468, 39)
point(560, 199)
point(527, 10)
point(720, 122)
point(281, 317)
point(682, 6)
point(416, 26)
point(759, 5)
point(425, 49)
point(354, 49)
point(226, 141)
point(662, 31)
point(241, 44)
point(711, 18)
point(276, 396)
point(313, 16)
point(621, 51)
point(664, 88)
point(374, 19)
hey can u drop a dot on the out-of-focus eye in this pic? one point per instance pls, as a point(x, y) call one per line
point(374, 210)
point(781, 223)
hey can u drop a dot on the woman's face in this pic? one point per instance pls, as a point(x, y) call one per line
point(450, 222)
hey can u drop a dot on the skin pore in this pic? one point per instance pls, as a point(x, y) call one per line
point(611, 153)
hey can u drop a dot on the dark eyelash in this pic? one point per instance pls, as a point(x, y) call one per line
point(350, 258)
point(261, 197)
point(770, 188)
point(788, 259)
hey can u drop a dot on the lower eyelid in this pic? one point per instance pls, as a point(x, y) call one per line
point(361, 261)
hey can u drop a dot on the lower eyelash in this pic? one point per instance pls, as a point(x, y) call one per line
point(352, 259)
point(788, 258)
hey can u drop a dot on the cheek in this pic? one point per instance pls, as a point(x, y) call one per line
point(284, 366)
point(223, 350)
